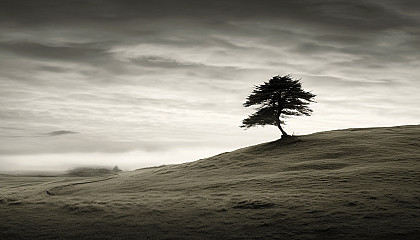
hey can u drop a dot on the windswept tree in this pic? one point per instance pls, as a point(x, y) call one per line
point(280, 97)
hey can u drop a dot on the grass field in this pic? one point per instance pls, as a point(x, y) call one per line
point(345, 184)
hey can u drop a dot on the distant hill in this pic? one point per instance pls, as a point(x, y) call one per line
point(91, 172)
point(349, 184)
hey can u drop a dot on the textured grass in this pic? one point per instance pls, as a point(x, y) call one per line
point(349, 184)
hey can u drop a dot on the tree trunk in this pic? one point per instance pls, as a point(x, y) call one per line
point(284, 134)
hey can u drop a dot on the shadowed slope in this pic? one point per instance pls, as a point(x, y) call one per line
point(352, 184)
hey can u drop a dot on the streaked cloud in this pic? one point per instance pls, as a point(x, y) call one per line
point(168, 75)
point(60, 132)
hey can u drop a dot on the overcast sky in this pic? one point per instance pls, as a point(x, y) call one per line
point(140, 83)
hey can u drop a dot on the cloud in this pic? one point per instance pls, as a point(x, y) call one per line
point(60, 132)
point(159, 75)
point(74, 52)
point(355, 14)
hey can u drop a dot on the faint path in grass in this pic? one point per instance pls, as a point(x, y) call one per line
point(61, 187)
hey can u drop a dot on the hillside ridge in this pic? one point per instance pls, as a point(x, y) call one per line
point(324, 151)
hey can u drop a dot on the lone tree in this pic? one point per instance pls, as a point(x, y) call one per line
point(276, 99)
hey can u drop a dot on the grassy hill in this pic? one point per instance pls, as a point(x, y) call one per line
point(351, 184)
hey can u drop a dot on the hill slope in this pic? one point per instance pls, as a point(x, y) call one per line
point(353, 184)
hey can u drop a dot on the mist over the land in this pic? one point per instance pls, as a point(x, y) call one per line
point(139, 83)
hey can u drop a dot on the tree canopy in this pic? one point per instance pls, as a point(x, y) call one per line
point(276, 99)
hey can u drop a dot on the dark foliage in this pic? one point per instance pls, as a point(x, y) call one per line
point(276, 99)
